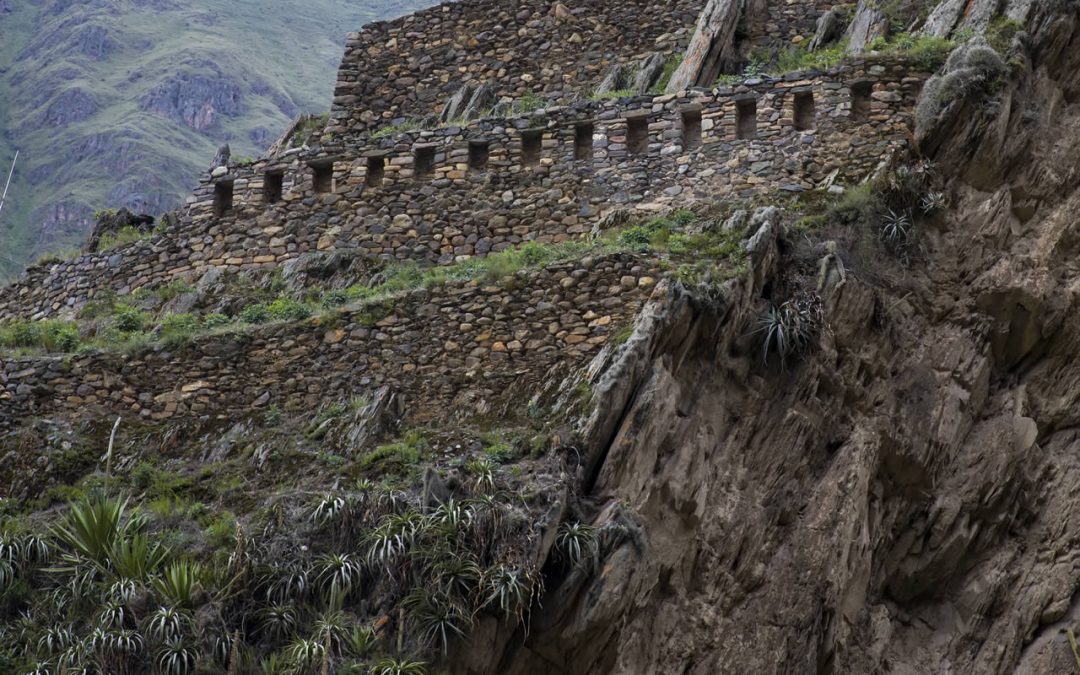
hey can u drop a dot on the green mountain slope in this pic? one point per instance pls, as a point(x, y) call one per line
point(122, 102)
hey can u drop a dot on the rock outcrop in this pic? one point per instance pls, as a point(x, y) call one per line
point(110, 224)
point(903, 500)
point(711, 48)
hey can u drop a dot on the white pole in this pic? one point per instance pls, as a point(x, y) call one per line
point(8, 184)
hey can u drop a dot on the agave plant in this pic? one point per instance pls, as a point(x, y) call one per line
point(778, 327)
point(436, 617)
point(278, 621)
point(456, 576)
point(289, 583)
point(176, 658)
point(452, 517)
point(136, 557)
point(339, 573)
point(10, 548)
point(483, 472)
point(395, 535)
point(332, 629)
point(578, 545)
point(113, 614)
point(123, 590)
point(329, 510)
point(932, 202)
point(895, 228)
point(7, 574)
point(389, 666)
point(92, 527)
point(116, 650)
point(508, 590)
point(362, 642)
point(486, 515)
point(166, 624)
point(73, 661)
point(56, 640)
point(34, 549)
point(305, 656)
point(179, 583)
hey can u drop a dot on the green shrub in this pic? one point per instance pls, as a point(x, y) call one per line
point(221, 530)
point(797, 57)
point(1001, 32)
point(280, 309)
point(49, 335)
point(175, 326)
point(257, 313)
point(397, 458)
point(129, 319)
point(211, 321)
point(334, 298)
point(174, 289)
point(501, 452)
point(287, 309)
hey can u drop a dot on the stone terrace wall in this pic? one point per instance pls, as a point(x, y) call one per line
point(787, 22)
point(459, 211)
point(471, 344)
point(410, 66)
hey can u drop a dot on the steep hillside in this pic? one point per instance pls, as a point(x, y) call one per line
point(122, 103)
point(775, 375)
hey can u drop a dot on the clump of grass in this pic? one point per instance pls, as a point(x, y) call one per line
point(58, 256)
point(797, 57)
point(1000, 33)
point(928, 52)
point(529, 102)
point(279, 309)
point(399, 128)
point(397, 458)
point(125, 235)
point(670, 66)
point(612, 95)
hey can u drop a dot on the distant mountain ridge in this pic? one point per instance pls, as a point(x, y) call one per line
point(121, 102)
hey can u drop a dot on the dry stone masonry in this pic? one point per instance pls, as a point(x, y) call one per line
point(442, 194)
point(468, 344)
point(556, 50)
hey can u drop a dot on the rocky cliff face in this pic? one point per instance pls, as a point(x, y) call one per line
point(903, 500)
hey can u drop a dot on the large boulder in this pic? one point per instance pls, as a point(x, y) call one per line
point(830, 26)
point(870, 23)
point(711, 48)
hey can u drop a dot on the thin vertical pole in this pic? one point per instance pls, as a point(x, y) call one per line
point(8, 184)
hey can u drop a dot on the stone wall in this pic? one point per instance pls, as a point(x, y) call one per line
point(787, 22)
point(858, 114)
point(558, 50)
point(469, 343)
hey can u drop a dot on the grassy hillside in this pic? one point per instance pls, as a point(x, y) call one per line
point(123, 102)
